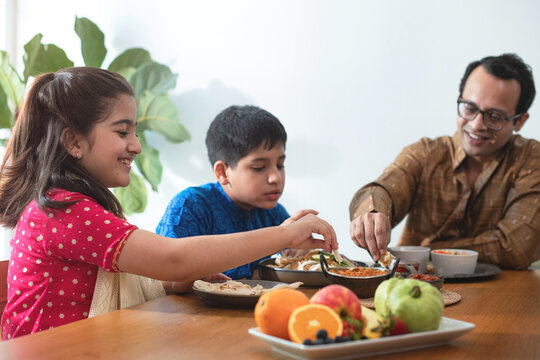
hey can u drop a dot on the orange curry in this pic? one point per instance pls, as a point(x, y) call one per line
point(359, 272)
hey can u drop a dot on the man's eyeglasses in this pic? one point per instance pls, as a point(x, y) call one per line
point(493, 119)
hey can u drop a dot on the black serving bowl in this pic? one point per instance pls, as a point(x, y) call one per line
point(363, 287)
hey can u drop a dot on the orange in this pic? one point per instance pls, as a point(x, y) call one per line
point(274, 308)
point(306, 320)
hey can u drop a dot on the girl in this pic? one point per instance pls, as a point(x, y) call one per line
point(73, 140)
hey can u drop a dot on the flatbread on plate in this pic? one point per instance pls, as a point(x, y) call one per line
point(238, 288)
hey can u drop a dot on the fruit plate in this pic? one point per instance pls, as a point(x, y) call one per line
point(309, 278)
point(449, 329)
point(236, 300)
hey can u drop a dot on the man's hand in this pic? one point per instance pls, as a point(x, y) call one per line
point(371, 231)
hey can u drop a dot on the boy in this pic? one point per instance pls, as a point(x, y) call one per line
point(246, 147)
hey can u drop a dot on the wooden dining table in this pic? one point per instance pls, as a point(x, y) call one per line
point(505, 310)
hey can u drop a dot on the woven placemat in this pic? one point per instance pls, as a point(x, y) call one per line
point(449, 298)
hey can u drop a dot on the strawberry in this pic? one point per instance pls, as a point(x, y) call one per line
point(352, 328)
point(397, 326)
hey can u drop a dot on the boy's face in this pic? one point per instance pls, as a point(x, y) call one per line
point(258, 178)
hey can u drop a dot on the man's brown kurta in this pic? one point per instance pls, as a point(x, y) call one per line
point(499, 216)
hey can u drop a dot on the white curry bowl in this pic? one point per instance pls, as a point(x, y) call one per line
point(412, 255)
point(453, 261)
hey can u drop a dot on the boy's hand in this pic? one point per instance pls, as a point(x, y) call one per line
point(300, 214)
point(305, 227)
point(294, 252)
point(371, 231)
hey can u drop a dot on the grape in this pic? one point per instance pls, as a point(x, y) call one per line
point(322, 334)
point(340, 339)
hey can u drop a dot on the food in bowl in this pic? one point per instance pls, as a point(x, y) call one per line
point(450, 252)
point(424, 277)
point(405, 269)
point(310, 261)
point(359, 271)
point(269, 271)
point(432, 279)
point(363, 287)
point(447, 262)
point(306, 268)
point(412, 255)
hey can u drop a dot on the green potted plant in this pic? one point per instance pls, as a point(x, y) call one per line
point(150, 80)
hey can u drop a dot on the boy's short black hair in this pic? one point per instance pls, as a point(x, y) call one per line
point(237, 130)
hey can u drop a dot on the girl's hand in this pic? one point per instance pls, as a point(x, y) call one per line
point(303, 230)
point(178, 287)
point(298, 215)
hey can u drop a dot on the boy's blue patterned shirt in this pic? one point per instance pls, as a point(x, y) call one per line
point(207, 210)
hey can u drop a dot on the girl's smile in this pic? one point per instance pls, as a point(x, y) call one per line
point(109, 150)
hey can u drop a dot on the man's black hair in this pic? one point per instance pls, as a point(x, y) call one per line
point(507, 66)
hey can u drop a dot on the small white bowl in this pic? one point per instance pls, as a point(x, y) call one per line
point(412, 255)
point(454, 261)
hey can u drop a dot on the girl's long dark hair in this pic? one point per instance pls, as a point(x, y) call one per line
point(36, 159)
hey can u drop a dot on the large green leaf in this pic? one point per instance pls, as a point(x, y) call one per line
point(10, 82)
point(133, 197)
point(6, 119)
point(127, 72)
point(157, 112)
point(148, 163)
point(130, 58)
point(153, 77)
point(150, 80)
point(92, 42)
point(40, 58)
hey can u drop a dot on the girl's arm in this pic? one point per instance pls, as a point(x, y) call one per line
point(162, 258)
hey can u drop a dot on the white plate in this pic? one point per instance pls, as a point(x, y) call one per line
point(448, 330)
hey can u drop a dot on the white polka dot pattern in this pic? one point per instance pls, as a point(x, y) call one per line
point(54, 261)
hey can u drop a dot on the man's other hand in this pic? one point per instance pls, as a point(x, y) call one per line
point(371, 231)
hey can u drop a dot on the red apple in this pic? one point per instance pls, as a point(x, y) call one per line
point(341, 299)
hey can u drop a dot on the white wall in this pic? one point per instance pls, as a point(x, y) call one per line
point(352, 81)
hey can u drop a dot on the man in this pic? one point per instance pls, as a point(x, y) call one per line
point(478, 190)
